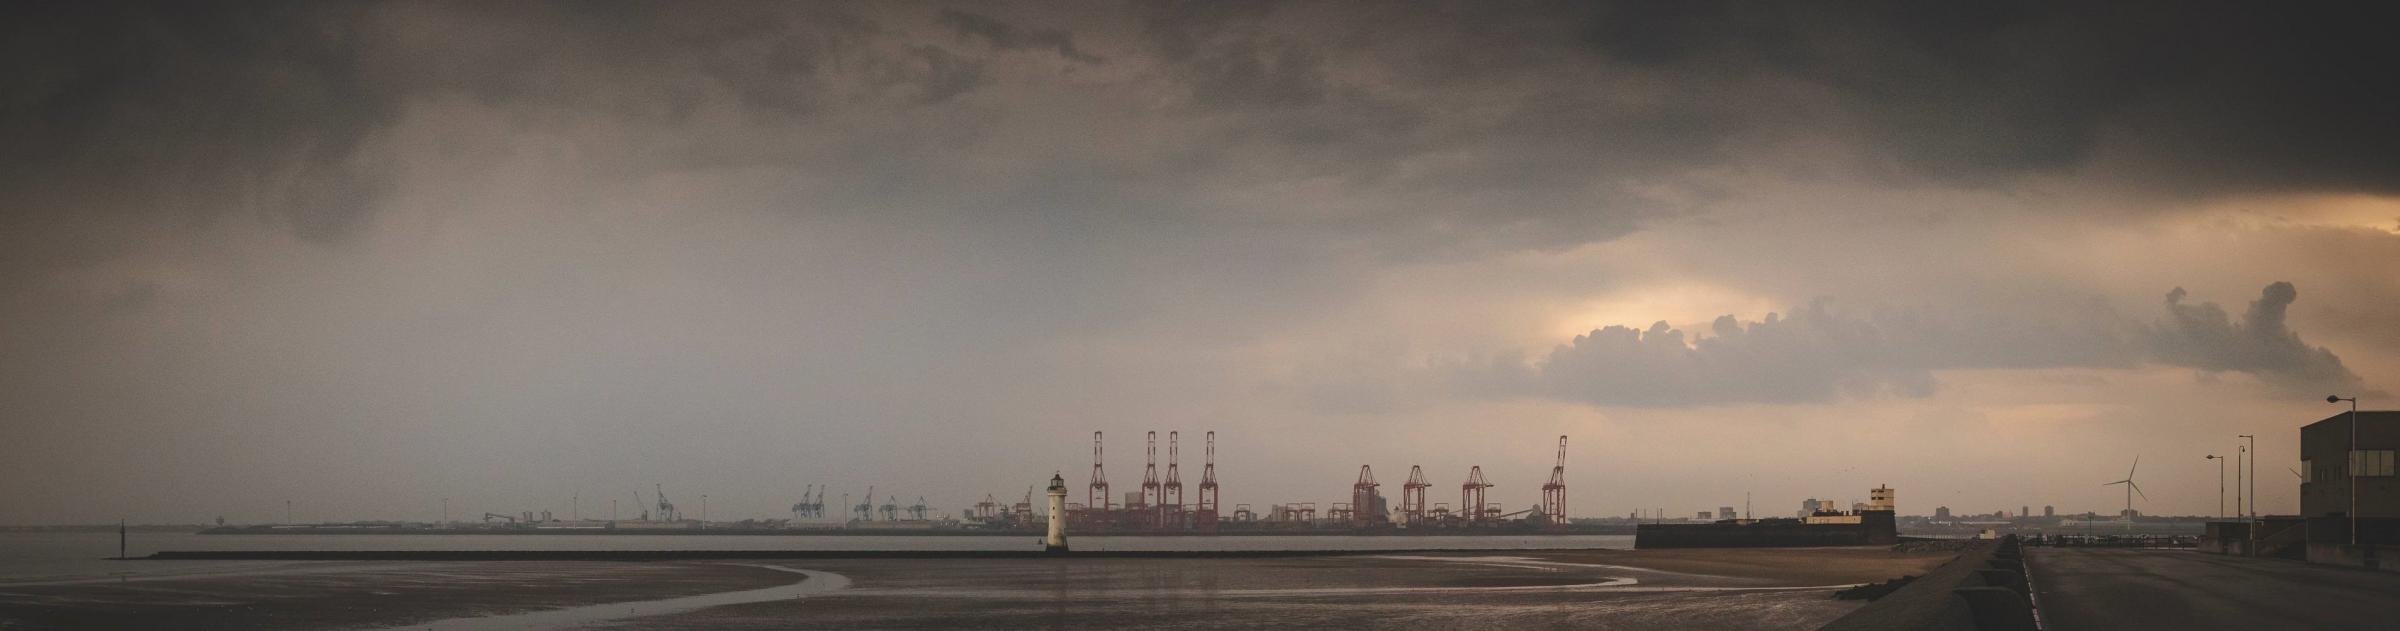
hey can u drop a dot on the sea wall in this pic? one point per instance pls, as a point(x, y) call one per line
point(1875, 529)
point(1983, 589)
point(679, 555)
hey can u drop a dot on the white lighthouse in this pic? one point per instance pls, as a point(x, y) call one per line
point(1057, 540)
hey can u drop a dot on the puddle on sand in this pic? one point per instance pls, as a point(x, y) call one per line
point(815, 583)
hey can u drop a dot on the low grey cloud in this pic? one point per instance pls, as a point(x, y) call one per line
point(1818, 353)
point(2203, 336)
point(1005, 36)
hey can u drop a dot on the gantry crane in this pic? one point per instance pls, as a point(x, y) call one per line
point(1098, 495)
point(1554, 493)
point(1362, 499)
point(1206, 517)
point(1150, 487)
point(1412, 496)
point(1471, 495)
point(1170, 494)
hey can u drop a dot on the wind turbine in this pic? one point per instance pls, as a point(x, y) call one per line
point(2130, 489)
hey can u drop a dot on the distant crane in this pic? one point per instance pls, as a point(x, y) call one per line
point(1554, 493)
point(917, 511)
point(2130, 490)
point(1098, 495)
point(1471, 494)
point(1362, 498)
point(1170, 509)
point(987, 509)
point(666, 510)
point(1206, 517)
point(1150, 488)
point(811, 503)
point(1412, 496)
point(865, 510)
point(891, 508)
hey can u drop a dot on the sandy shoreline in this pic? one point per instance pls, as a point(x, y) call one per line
point(1755, 588)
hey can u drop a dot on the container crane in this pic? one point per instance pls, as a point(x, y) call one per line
point(1206, 517)
point(1412, 496)
point(1471, 495)
point(1362, 499)
point(1554, 493)
point(1150, 488)
point(1098, 495)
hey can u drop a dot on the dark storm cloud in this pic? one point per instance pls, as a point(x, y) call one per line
point(2191, 97)
point(1819, 354)
point(181, 111)
point(1503, 125)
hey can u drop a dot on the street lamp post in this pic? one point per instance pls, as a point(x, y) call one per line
point(2351, 460)
point(2239, 454)
point(2253, 516)
point(2220, 484)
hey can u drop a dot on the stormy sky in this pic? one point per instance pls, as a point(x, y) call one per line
point(366, 256)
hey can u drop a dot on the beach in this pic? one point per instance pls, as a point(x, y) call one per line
point(1665, 589)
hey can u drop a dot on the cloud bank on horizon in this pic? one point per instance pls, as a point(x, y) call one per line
point(1820, 354)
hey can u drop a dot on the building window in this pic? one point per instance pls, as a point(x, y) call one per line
point(2371, 463)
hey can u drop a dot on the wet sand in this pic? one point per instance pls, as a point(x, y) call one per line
point(1650, 589)
point(336, 594)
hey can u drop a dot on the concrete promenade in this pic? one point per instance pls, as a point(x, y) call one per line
point(2122, 588)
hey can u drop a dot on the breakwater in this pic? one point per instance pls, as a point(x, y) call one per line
point(1874, 528)
point(684, 555)
point(1983, 589)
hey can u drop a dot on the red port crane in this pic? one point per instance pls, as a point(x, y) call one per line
point(1470, 497)
point(1554, 493)
point(1362, 498)
point(1412, 496)
point(1206, 517)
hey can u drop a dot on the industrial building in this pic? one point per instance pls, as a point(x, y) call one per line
point(2329, 463)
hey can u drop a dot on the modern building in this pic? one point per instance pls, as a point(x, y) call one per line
point(2329, 462)
point(2049, 512)
point(1941, 513)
